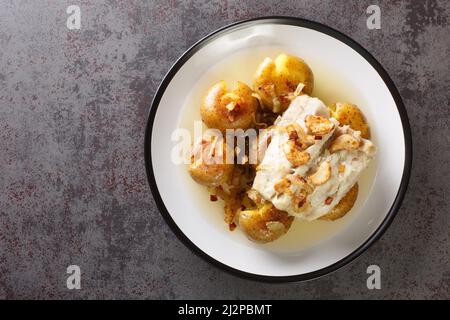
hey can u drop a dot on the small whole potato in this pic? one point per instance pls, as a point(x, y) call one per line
point(344, 206)
point(208, 164)
point(264, 224)
point(276, 80)
point(223, 109)
point(349, 114)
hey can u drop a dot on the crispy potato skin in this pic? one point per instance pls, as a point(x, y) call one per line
point(264, 224)
point(349, 114)
point(208, 171)
point(280, 77)
point(216, 109)
point(343, 206)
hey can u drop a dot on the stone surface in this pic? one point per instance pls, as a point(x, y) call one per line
point(73, 108)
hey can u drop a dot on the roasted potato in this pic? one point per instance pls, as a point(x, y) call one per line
point(349, 114)
point(224, 109)
point(264, 224)
point(276, 80)
point(343, 206)
point(208, 163)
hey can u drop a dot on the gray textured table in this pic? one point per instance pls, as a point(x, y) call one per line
point(73, 107)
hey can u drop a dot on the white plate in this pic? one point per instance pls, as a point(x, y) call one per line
point(342, 70)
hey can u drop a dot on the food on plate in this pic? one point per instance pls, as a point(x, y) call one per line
point(229, 109)
point(349, 114)
point(264, 224)
point(343, 206)
point(277, 80)
point(309, 156)
point(208, 166)
point(314, 181)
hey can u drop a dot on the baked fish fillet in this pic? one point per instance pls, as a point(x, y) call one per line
point(311, 162)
